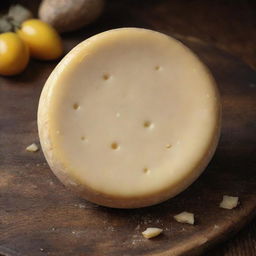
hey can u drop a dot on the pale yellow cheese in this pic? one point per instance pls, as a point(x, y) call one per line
point(32, 148)
point(229, 202)
point(129, 118)
point(151, 232)
point(185, 217)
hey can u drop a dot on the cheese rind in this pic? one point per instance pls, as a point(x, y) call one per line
point(129, 118)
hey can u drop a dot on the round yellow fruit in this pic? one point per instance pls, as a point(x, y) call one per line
point(42, 39)
point(14, 54)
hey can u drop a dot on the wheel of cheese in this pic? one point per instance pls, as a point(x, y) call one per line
point(129, 118)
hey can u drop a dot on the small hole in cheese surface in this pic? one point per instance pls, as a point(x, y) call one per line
point(168, 146)
point(82, 138)
point(157, 67)
point(146, 170)
point(114, 146)
point(147, 124)
point(106, 76)
point(75, 106)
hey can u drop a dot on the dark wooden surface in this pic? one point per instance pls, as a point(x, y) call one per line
point(38, 216)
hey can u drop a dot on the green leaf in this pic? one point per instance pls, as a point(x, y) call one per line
point(19, 13)
point(5, 24)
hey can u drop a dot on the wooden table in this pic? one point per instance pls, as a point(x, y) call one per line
point(228, 25)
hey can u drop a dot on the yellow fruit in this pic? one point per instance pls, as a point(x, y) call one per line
point(14, 54)
point(43, 41)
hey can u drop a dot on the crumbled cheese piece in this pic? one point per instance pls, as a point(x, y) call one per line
point(32, 148)
point(137, 227)
point(185, 217)
point(229, 202)
point(152, 232)
point(81, 206)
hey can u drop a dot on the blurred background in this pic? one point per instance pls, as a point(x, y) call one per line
point(225, 24)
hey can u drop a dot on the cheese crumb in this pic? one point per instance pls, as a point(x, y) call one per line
point(152, 232)
point(81, 206)
point(229, 202)
point(138, 227)
point(32, 148)
point(185, 217)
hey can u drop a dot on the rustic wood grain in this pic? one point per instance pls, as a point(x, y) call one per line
point(227, 24)
point(38, 216)
point(243, 244)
